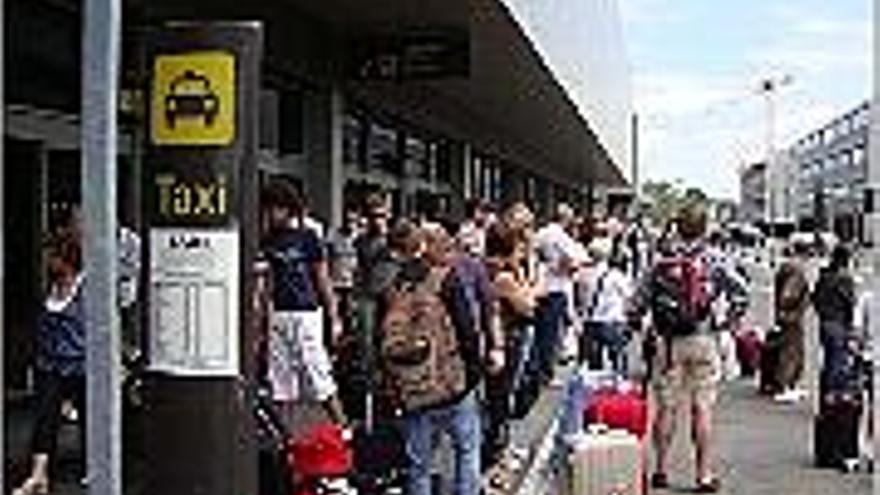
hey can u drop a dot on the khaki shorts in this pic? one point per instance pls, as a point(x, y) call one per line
point(695, 370)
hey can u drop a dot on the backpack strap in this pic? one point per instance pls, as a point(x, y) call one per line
point(594, 301)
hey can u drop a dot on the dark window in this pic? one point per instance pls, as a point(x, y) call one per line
point(384, 151)
point(417, 158)
point(291, 122)
point(353, 140)
point(42, 55)
point(442, 156)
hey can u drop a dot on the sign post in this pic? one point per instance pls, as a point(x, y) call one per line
point(872, 217)
point(102, 25)
point(200, 208)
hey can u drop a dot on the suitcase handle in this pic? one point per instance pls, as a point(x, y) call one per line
point(598, 429)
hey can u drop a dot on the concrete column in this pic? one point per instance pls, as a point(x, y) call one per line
point(513, 185)
point(459, 157)
point(409, 182)
point(543, 200)
point(324, 178)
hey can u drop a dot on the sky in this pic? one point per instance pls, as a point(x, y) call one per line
point(696, 66)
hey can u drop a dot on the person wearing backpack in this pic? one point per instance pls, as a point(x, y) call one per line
point(679, 292)
point(430, 350)
point(604, 309)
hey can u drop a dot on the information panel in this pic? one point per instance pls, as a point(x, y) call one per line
point(194, 302)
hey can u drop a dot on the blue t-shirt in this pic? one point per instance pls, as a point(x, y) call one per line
point(61, 341)
point(291, 253)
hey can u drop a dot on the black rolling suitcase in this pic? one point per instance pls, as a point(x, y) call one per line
point(769, 363)
point(379, 458)
point(378, 443)
point(837, 429)
point(836, 434)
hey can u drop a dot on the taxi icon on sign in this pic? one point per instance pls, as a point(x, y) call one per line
point(190, 96)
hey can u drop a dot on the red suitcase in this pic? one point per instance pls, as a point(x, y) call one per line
point(748, 351)
point(619, 409)
point(321, 453)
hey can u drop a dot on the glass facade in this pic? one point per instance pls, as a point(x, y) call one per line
point(833, 168)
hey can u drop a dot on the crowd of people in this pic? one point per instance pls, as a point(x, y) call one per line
point(428, 326)
point(456, 328)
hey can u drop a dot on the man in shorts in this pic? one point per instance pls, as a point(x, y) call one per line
point(686, 363)
point(296, 357)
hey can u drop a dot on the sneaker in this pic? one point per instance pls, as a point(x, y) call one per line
point(787, 397)
point(659, 481)
point(851, 465)
point(708, 486)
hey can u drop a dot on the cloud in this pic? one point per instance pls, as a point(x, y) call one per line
point(814, 42)
point(681, 93)
point(701, 125)
point(642, 12)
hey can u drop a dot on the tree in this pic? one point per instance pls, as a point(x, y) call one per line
point(696, 195)
point(664, 199)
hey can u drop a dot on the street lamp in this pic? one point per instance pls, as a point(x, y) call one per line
point(769, 88)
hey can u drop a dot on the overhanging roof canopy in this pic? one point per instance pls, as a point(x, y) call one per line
point(510, 106)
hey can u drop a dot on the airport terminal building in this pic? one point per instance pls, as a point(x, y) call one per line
point(433, 101)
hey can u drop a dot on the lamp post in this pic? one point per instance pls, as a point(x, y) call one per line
point(768, 88)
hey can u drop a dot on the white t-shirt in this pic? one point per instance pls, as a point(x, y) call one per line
point(555, 246)
point(129, 252)
point(615, 289)
point(472, 238)
point(309, 222)
point(862, 318)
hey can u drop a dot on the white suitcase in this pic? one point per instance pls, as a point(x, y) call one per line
point(605, 462)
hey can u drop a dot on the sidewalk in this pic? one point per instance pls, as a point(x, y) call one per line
point(763, 448)
point(19, 426)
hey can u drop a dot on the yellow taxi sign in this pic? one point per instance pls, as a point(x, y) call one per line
point(193, 101)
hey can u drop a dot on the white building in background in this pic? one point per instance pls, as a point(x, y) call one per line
point(783, 179)
point(753, 193)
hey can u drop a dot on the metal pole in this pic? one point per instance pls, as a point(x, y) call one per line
point(2, 258)
point(635, 158)
point(771, 170)
point(769, 88)
point(100, 79)
point(873, 217)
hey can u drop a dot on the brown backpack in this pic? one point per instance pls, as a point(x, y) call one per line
point(419, 345)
